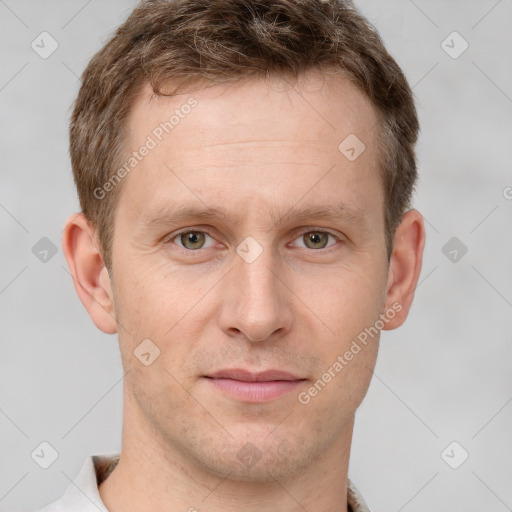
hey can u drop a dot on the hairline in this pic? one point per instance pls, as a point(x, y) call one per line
point(106, 223)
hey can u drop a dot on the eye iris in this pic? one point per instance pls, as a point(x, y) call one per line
point(195, 238)
point(316, 237)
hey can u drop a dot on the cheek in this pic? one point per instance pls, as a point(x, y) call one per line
point(341, 388)
point(346, 301)
point(164, 306)
point(349, 305)
point(342, 378)
point(155, 291)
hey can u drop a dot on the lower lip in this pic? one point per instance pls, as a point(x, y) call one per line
point(255, 391)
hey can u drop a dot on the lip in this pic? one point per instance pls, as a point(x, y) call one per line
point(248, 376)
point(254, 387)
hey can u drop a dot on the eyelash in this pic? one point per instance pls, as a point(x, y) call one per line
point(172, 237)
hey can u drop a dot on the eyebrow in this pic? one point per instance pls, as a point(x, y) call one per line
point(168, 217)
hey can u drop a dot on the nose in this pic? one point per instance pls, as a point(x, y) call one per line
point(256, 301)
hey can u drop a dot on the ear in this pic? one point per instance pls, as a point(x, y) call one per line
point(404, 267)
point(88, 271)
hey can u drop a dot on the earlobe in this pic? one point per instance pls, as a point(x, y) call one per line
point(90, 277)
point(405, 266)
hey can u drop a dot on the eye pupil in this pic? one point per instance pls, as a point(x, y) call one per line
point(194, 238)
point(315, 238)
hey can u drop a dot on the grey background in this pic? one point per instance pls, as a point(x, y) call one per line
point(444, 376)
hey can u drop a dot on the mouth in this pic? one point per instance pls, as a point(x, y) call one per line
point(254, 387)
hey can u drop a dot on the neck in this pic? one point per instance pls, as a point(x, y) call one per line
point(153, 475)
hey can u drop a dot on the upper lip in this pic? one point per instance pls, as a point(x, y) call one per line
point(248, 376)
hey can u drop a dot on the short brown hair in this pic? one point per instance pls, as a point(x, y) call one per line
point(187, 42)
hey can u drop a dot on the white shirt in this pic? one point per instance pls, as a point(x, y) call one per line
point(82, 494)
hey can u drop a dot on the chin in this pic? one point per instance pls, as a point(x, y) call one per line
point(259, 458)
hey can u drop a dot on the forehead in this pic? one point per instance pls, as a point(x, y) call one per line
point(272, 141)
point(324, 103)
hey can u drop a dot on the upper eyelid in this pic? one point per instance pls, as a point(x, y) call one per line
point(173, 235)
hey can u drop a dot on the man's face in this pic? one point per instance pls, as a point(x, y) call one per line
point(263, 288)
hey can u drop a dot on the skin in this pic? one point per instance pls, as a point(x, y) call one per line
point(258, 149)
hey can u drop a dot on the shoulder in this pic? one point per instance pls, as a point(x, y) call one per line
point(55, 506)
point(82, 494)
